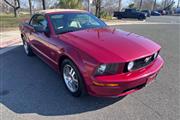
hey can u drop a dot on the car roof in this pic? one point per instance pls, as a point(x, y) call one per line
point(50, 11)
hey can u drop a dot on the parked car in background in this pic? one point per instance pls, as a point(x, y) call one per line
point(130, 13)
point(90, 56)
point(148, 12)
point(162, 12)
point(155, 13)
point(177, 11)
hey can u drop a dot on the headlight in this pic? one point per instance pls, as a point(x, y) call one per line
point(107, 69)
point(101, 69)
point(155, 55)
point(130, 66)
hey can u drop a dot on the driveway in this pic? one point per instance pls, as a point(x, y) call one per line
point(30, 89)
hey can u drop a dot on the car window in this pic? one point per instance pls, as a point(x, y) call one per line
point(39, 20)
point(68, 22)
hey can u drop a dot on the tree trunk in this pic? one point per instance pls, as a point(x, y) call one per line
point(165, 2)
point(98, 8)
point(43, 3)
point(140, 6)
point(15, 6)
point(154, 4)
point(30, 7)
point(15, 12)
point(119, 5)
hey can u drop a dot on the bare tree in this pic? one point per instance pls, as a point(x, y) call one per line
point(98, 8)
point(4, 7)
point(168, 4)
point(15, 7)
point(154, 5)
point(44, 5)
point(30, 7)
point(120, 1)
point(140, 5)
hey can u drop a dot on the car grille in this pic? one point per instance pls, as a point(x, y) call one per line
point(140, 63)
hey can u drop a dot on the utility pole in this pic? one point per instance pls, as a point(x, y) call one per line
point(43, 3)
point(140, 6)
point(154, 6)
point(178, 3)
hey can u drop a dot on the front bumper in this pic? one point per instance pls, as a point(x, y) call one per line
point(127, 82)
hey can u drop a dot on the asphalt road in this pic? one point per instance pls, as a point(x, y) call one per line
point(31, 90)
point(163, 19)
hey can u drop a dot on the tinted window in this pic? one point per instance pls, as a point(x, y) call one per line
point(68, 22)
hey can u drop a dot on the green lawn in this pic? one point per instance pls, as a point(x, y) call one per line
point(8, 21)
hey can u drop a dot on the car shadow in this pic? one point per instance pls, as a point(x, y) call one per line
point(28, 85)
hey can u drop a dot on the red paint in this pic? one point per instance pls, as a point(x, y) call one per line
point(92, 47)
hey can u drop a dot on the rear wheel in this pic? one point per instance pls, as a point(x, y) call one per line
point(72, 78)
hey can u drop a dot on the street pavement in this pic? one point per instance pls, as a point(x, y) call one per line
point(164, 19)
point(31, 90)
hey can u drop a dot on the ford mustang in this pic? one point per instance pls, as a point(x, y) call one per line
point(91, 57)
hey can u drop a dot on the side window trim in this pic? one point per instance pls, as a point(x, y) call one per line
point(35, 15)
point(32, 19)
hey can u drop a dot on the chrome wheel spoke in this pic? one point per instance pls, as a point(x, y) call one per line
point(69, 75)
point(26, 48)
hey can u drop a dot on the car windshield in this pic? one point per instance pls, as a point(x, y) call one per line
point(69, 22)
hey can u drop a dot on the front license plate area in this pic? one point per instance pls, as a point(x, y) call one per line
point(151, 78)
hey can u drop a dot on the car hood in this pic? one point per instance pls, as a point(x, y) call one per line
point(110, 45)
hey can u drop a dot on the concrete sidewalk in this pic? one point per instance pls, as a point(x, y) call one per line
point(9, 38)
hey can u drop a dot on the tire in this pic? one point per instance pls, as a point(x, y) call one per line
point(27, 47)
point(141, 18)
point(72, 78)
point(119, 17)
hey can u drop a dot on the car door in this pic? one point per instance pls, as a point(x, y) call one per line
point(44, 44)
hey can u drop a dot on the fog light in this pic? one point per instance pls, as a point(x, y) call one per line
point(105, 85)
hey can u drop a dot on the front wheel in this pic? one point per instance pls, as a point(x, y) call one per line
point(141, 18)
point(27, 48)
point(72, 78)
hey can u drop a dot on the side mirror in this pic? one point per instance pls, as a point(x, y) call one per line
point(41, 29)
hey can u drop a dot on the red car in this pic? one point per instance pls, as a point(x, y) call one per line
point(90, 56)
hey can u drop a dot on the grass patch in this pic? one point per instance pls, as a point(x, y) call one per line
point(8, 21)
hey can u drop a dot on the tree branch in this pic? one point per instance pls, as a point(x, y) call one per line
point(9, 3)
point(15, 7)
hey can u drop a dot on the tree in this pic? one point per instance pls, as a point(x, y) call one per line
point(98, 8)
point(70, 4)
point(15, 7)
point(43, 4)
point(30, 7)
point(131, 5)
point(168, 4)
point(140, 5)
point(120, 1)
point(154, 5)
